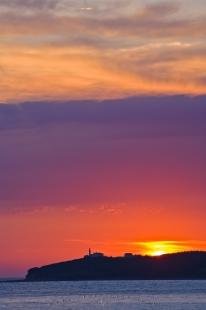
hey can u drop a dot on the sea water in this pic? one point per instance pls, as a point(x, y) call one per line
point(91, 295)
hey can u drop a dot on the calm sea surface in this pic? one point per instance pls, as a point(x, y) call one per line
point(143, 295)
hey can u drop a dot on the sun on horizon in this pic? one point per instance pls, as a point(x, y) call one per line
point(158, 248)
point(158, 253)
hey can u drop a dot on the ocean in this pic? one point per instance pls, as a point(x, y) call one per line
point(91, 295)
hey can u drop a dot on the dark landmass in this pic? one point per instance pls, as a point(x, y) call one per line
point(186, 265)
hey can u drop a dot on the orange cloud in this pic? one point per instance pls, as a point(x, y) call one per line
point(55, 55)
point(62, 73)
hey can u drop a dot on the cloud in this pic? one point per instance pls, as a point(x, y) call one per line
point(155, 49)
point(154, 21)
point(160, 10)
point(24, 5)
point(94, 153)
point(70, 7)
point(176, 62)
point(75, 72)
point(151, 111)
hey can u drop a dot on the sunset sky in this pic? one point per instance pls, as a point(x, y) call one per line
point(102, 129)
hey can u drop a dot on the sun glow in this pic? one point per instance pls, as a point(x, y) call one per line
point(158, 253)
point(158, 248)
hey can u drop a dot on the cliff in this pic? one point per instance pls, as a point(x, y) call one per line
point(186, 265)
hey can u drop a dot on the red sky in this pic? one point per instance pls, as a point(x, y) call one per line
point(120, 175)
point(107, 175)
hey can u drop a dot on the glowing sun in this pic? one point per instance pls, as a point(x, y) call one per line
point(158, 248)
point(158, 253)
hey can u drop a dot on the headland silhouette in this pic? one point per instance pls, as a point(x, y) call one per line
point(97, 266)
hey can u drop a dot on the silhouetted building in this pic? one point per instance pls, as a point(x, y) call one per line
point(97, 254)
point(127, 255)
point(93, 255)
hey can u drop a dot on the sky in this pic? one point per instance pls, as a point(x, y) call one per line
point(63, 49)
point(102, 129)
